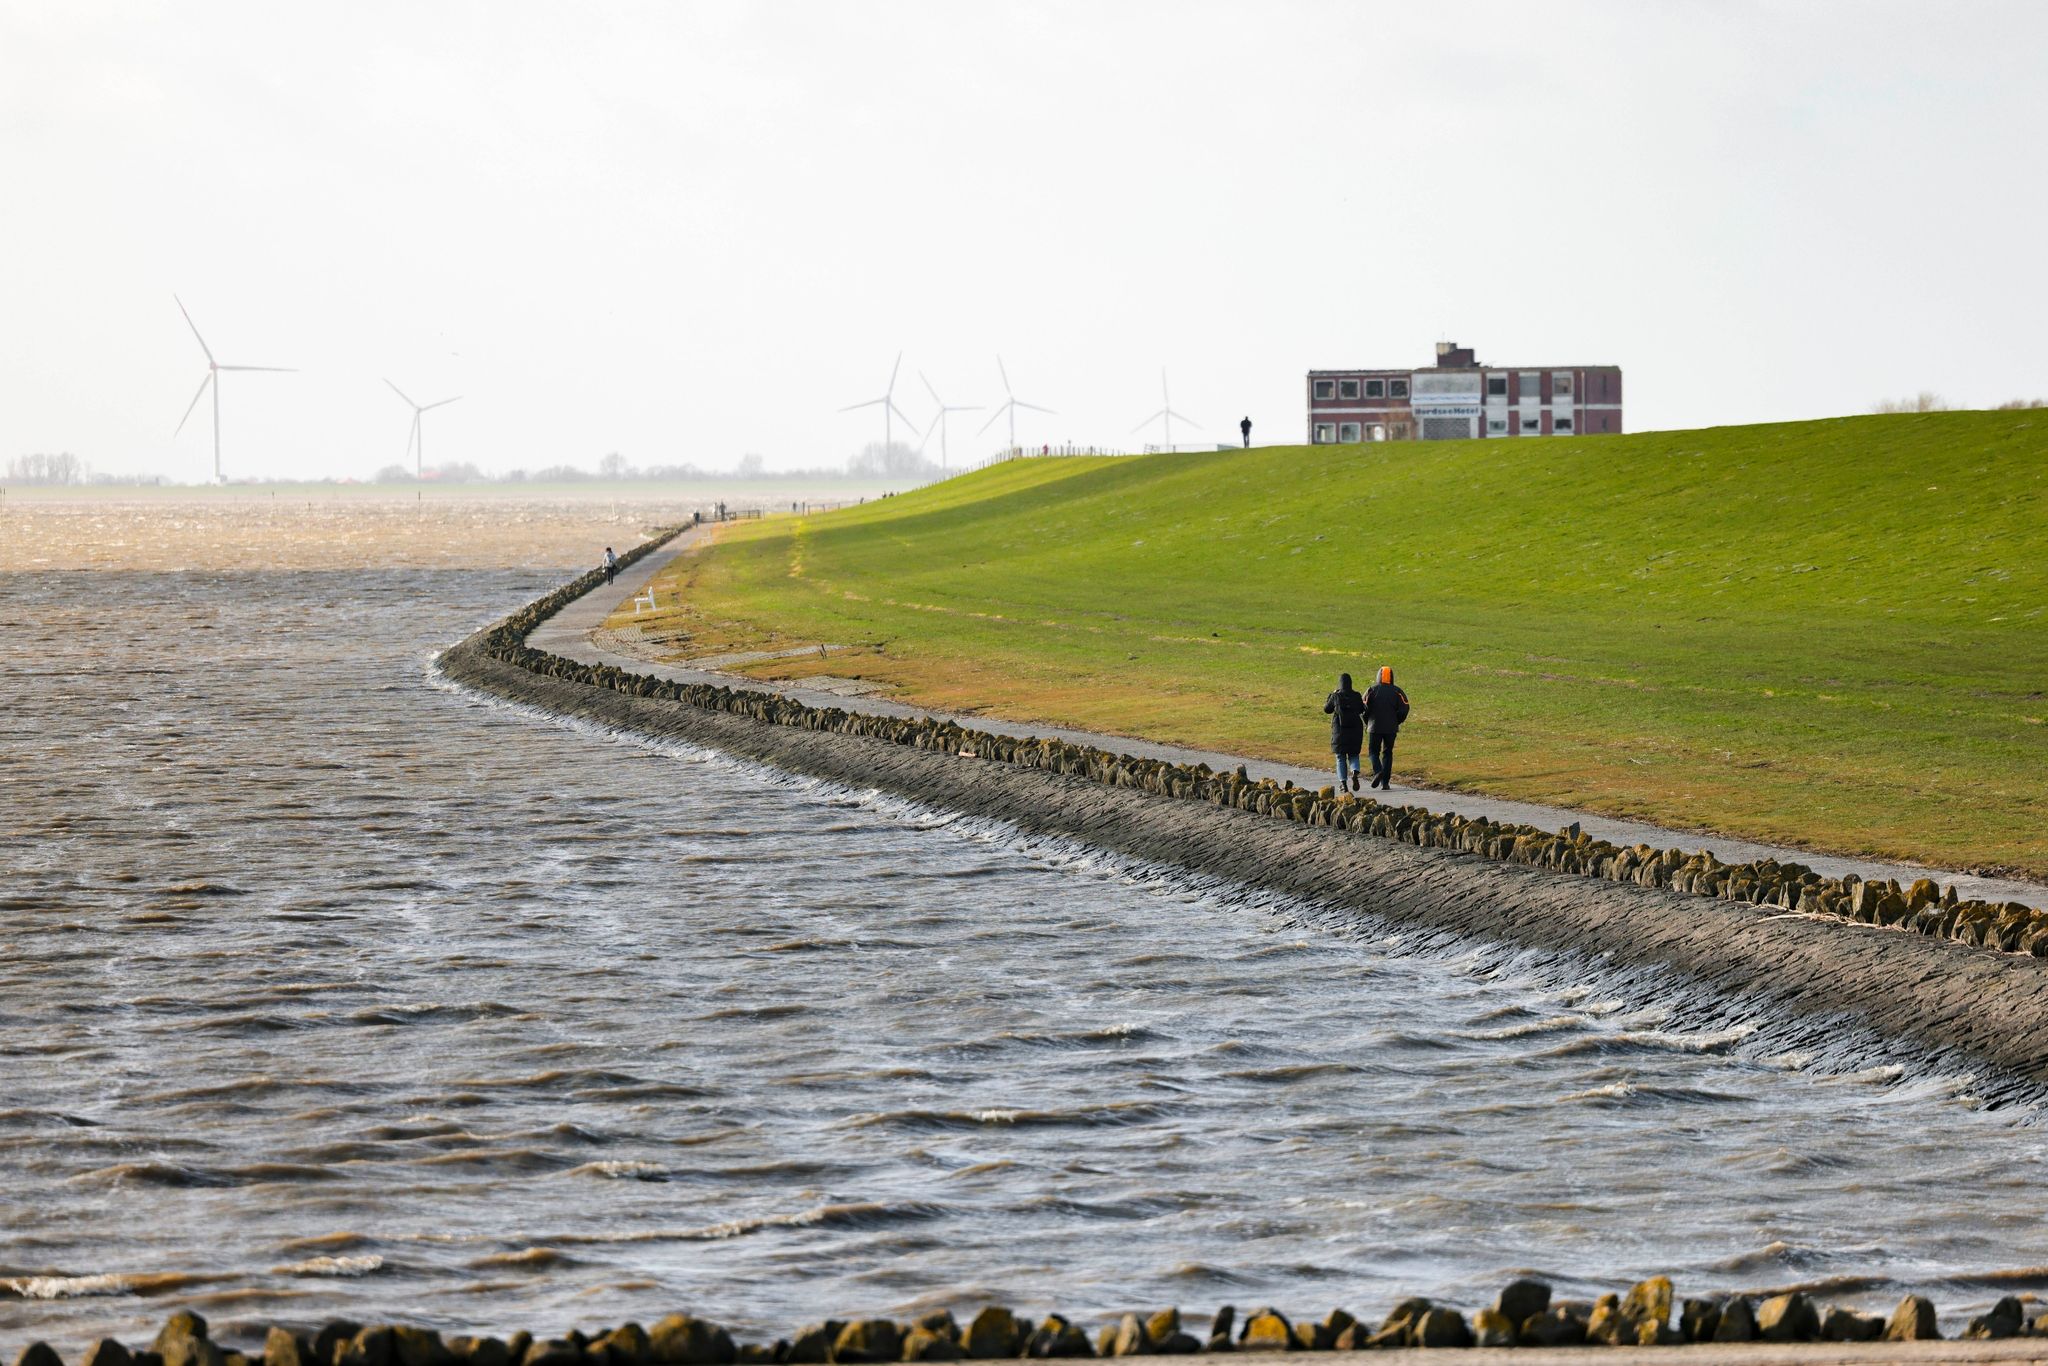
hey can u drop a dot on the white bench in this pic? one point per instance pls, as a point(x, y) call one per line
point(645, 599)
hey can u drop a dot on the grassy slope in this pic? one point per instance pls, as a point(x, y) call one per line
point(1833, 633)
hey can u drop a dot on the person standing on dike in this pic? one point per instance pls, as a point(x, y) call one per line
point(1246, 427)
point(1346, 710)
point(611, 566)
point(1386, 707)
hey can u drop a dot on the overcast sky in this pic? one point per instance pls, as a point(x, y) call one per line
point(691, 231)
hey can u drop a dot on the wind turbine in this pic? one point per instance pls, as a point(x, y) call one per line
point(213, 373)
point(888, 402)
point(940, 420)
point(1166, 413)
point(413, 441)
point(1010, 404)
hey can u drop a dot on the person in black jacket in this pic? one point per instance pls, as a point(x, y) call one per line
point(1346, 710)
point(1386, 707)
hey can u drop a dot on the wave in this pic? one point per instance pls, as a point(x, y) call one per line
point(1114, 1114)
point(331, 1266)
point(527, 1259)
point(858, 1214)
point(1627, 1095)
point(1294, 1072)
point(104, 1283)
point(169, 1174)
point(1653, 1041)
point(621, 1171)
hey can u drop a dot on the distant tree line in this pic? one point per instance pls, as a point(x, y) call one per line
point(66, 468)
point(1927, 401)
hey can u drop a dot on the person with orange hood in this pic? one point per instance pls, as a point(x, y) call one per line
point(1386, 707)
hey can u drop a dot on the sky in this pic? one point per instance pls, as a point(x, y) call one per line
point(688, 232)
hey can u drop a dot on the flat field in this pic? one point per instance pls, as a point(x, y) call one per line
point(1831, 634)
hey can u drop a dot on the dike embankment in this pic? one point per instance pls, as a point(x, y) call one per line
point(1903, 969)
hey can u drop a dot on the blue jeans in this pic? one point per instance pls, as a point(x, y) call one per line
point(1347, 764)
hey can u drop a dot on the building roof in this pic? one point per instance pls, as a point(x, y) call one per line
point(1418, 369)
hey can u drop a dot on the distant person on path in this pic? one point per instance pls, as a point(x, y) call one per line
point(611, 566)
point(1246, 427)
point(1346, 709)
point(1386, 707)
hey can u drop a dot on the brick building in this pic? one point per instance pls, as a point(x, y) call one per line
point(1459, 397)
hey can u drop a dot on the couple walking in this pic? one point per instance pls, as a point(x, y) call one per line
point(1378, 714)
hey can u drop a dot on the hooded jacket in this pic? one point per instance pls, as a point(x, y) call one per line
point(1386, 707)
point(1347, 720)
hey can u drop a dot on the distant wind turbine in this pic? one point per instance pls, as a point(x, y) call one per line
point(1010, 404)
point(415, 444)
point(213, 373)
point(939, 421)
point(1166, 413)
point(888, 403)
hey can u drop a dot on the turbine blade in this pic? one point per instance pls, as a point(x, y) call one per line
point(401, 393)
point(900, 413)
point(442, 404)
point(195, 402)
point(869, 404)
point(195, 329)
point(994, 418)
point(1006, 377)
point(964, 408)
point(892, 373)
point(1149, 421)
point(273, 369)
point(928, 389)
point(1179, 417)
point(1032, 406)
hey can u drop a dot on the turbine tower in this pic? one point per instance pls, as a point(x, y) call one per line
point(1010, 404)
point(213, 373)
point(415, 445)
point(1166, 413)
point(939, 420)
point(888, 402)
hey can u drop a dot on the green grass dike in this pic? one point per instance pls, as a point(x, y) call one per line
point(1829, 634)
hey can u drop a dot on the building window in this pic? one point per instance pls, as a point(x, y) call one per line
point(1496, 424)
point(1325, 388)
point(1347, 388)
point(1496, 386)
point(1562, 424)
point(1397, 388)
point(1326, 432)
point(1375, 388)
point(1561, 383)
point(1532, 424)
point(1347, 431)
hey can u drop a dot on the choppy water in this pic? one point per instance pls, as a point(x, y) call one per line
point(327, 989)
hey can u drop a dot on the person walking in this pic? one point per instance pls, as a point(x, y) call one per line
point(1346, 709)
point(1386, 707)
point(1246, 427)
point(611, 566)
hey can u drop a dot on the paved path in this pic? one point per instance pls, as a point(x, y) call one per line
point(569, 633)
